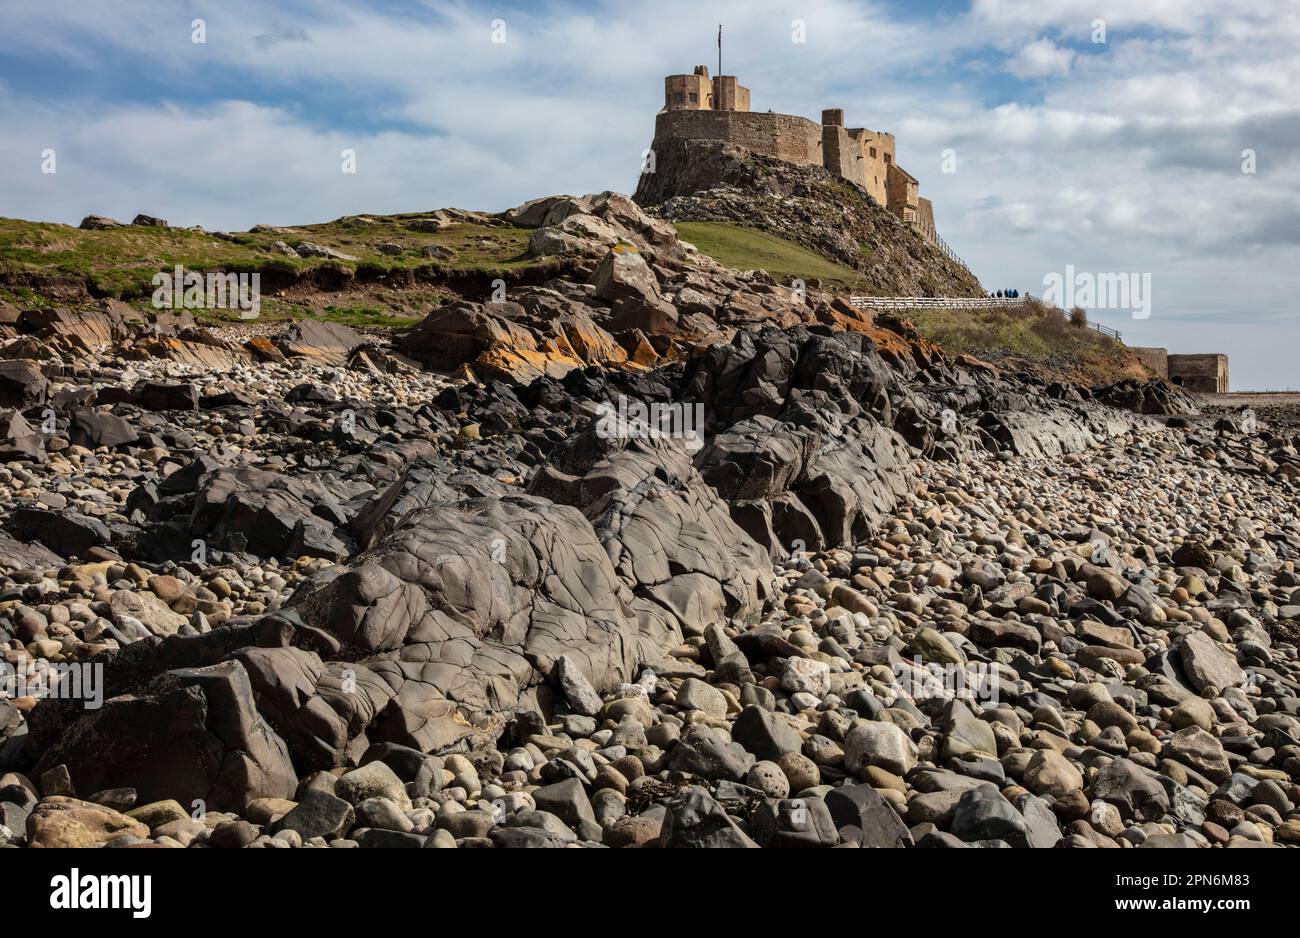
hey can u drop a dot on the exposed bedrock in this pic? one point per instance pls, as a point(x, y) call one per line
point(456, 601)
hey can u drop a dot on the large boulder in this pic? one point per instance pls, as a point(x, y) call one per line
point(17, 555)
point(327, 342)
point(670, 538)
point(590, 225)
point(59, 821)
point(486, 338)
point(99, 223)
point(1207, 664)
point(19, 440)
point(192, 734)
point(264, 513)
point(22, 384)
point(95, 428)
point(481, 599)
point(154, 395)
point(1135, 790)
point(624, 274)
point(65, 532)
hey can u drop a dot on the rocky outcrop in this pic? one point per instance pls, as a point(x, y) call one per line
point(590, 225)
point(1147, 397)
point(700, 180)
point(325, 342)
point(487, 339)
point(192, 734)
point(667, 533)
point(654, 553)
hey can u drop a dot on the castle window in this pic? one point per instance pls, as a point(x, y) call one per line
point(679, 98)
point(695, 98)
point(887, 159)
point(873, 153)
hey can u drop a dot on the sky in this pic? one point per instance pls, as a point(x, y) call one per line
point(1154, 138)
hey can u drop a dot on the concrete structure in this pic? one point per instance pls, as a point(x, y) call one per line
point(1205, 374)
point(697, 108)
point(1157, 359)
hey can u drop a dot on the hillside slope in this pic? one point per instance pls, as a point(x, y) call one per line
point(708, 181)
point(359, 269)
point(1036, 339)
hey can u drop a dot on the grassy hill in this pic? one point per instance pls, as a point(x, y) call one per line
point(47, 263)
point(390, 279)
point(1033, 337)
point(748, 249)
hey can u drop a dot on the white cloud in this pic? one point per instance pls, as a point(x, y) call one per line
point(1041, 59)
point(1128, 159)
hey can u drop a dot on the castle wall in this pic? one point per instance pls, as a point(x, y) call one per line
point(925, 218)
point(729, 94)
point(842, 155)
point(782, 136)
point(877, 151)
point(902, 192)
point(1205, 374)
point(699, 108)
point(1157, 359)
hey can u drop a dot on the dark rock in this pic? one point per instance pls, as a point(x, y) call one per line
point(156, 396)
point(65, 532)
point(699, 821)
point(22, 384)
point(765, 734)
point(984, 814)
point(95, 428)
point(794, 822)
point(374, 837)
point(191, 734)
point(1135, 790)
point(19, 440)
point(568, 801)
point(707, 752)
point(862, 806)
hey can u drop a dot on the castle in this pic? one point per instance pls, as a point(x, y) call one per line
point(697, 107)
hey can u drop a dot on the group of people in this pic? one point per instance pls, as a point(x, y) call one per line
point(1005, 294)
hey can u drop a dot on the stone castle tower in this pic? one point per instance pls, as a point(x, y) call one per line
point(699, 108)
point(695, 92)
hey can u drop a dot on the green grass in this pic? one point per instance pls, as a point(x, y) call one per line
point(1022, 332)
point(366, 317)
point(748, 249)
point(1033, 334)
point(24, 297)
point(121, 262)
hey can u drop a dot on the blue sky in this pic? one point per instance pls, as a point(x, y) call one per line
point(1115, 156)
